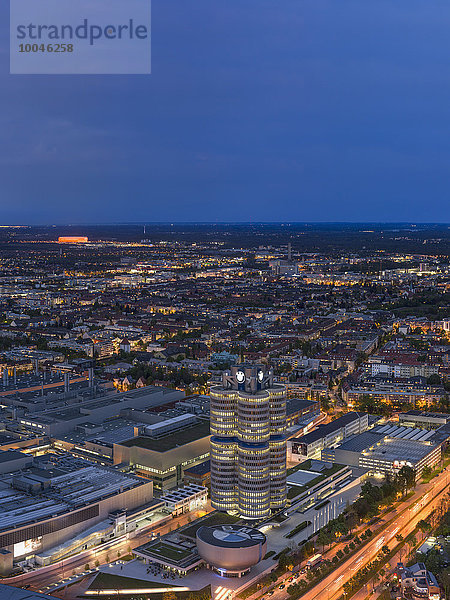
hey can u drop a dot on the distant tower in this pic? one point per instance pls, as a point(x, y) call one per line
point(248, 443)
point(289, 252)
point(144, 229)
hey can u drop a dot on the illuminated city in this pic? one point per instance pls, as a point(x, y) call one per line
point(224, 300)
point(224, 418)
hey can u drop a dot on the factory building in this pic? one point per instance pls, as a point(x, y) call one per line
point(387, 448)
point(425, 419)
point(55, 499)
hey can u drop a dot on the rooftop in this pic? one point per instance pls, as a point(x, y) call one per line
point(231, 536)
point(8, 592)
point(73, 483)
point(172, 440)
point(358, 443)
point(9, 455)
point(393, 449)
point(200, 469)
point(324, 430)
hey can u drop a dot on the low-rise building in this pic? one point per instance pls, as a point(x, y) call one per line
point(312, 444)
point(164, 459)
point(427, 420)
point(387, 448)
point(56, 498)
point(186, 499)
point(420, 583)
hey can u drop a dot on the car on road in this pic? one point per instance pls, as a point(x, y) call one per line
point(281, 587)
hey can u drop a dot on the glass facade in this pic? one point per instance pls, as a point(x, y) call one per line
point(248, 444)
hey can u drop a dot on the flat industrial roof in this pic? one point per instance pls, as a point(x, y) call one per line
point(8, 455)
point(74, 483)
point(398, 449)
point(200, 469)
point(8, 592)
point(360, 442)
point(295, 404)
point(171, 440)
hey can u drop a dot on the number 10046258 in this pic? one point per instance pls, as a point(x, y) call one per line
point(48, 48)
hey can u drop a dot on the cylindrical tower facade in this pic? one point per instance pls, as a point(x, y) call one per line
point(277, 446)
point(254, 480)
point(248, 444)
point(254, 454)
point(224, 473)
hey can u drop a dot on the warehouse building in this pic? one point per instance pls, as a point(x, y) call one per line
point(301, 410)
point(164, 459)
point(55, 415)
point(387, 448)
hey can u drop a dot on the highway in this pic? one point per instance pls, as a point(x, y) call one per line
point(425, 499)
point(401, 520)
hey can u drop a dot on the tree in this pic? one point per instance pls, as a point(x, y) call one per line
point(412, 543)
point(324, 538)
point(424, 526)
point(348, 588)
point(284, 561)
point(427, 472)
point(445, 578)
point(406, 479)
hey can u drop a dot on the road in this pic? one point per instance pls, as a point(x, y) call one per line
point(42, 578)
point(404, 520)
point(425, 499)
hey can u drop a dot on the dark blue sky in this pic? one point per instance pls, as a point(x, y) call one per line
point(257, 110)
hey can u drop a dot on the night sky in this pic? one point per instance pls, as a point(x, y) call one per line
point(256, 110)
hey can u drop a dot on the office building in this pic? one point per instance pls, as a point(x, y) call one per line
point(248, 444)
point(425, 419)
point(312, 444)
